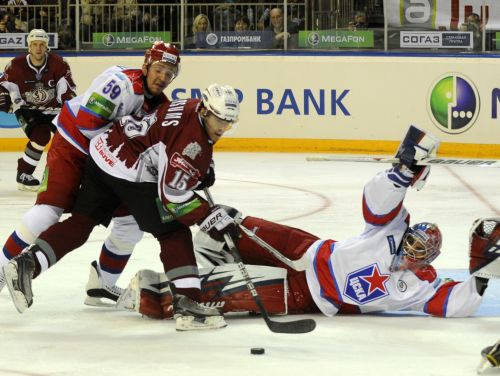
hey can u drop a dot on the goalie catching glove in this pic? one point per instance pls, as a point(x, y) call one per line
point(484, 248)
point(416, 146)
point(217, 223)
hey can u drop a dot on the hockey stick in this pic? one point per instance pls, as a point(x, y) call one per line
point(423, 162)
point(298, 265)
point(292, 327)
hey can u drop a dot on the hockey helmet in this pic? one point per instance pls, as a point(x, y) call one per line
point(165, 53)
point(422, 242)
point(420, 246)
point(38, 34)
point(222, 101)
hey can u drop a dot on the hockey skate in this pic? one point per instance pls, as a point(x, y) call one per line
point(490, 358)
point(190, 315)
point(97, 289)
point(27, 182)
point(18, 274)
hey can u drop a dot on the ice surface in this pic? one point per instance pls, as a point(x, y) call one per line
point(58, 335)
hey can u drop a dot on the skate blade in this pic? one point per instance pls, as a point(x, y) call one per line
point(18, 298)
point(26, 188)
point(98, 302)
point(187, 323)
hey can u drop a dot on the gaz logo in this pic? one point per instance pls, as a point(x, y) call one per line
point(366, 284)
point(453, 103)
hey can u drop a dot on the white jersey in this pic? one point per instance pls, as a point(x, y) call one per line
point(116, 92)
point(357, 271)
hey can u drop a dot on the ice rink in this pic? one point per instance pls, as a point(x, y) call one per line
point(59, 335)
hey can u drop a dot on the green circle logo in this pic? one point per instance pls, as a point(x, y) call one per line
point(453, 103)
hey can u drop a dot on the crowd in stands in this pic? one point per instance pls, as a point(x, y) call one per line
point(201, 16)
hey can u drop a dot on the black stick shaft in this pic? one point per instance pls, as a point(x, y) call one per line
point(299, 326)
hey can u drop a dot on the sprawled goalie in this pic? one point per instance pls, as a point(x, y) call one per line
point(386, 268)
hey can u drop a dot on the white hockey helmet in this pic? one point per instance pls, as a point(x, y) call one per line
point(222, 101)
point(38, 34)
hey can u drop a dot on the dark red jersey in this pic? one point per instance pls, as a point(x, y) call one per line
point(169, 147)
point(45, 88)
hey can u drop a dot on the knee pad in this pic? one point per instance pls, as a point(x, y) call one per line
point(36, 220)
point(125, 234)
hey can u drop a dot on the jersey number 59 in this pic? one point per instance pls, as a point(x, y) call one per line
point(113, 89)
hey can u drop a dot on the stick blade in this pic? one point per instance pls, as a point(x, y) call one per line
point(292, 327)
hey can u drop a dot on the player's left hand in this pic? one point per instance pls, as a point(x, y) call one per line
point(209, 179)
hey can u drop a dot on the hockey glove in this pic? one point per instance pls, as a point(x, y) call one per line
point(416, 146)
point(5, 101)
point(217, 223)
point(209, 179)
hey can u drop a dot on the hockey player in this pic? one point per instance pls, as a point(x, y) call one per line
point(117, 92)
point(386, 268)
point(152, 164)
point(34, 86)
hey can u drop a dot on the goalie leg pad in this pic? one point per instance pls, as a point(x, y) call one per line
point(145, 294)
point(223, 287)
point(290, 241)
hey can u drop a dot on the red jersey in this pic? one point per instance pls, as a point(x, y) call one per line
point(45, 88)
point(169, 147)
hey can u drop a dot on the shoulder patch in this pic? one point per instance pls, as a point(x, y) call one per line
point(100, 105)
point(192, 150)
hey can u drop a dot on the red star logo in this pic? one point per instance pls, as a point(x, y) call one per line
point(376, 280)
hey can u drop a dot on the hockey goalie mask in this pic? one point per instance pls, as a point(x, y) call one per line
point(420, 246)
point(164, 53)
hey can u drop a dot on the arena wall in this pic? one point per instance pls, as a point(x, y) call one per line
point(360, 104)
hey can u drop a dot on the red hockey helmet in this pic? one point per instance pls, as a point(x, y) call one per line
point(421, 245)
point(422, 242)
point(164, 53)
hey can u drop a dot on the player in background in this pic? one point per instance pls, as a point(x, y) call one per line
point(116, 92)
point(386, 268)
point(34, 86)
point(152, 163)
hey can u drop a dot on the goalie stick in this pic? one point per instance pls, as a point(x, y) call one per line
point(292, 327)
point(298, 265)
point(430, 161)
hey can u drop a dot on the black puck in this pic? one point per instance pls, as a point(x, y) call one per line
point(257, 350)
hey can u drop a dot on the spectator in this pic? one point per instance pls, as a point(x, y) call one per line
point(201, 26)
point(279, 34)
point(3, 27)
point(20, 26)
point(66, 37)
point(128, 15)
point(473, 23)
point(224, 16)
point(359, 21)
point(92, 15)
point(242, 24)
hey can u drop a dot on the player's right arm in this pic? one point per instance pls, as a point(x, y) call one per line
point(102, 103)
